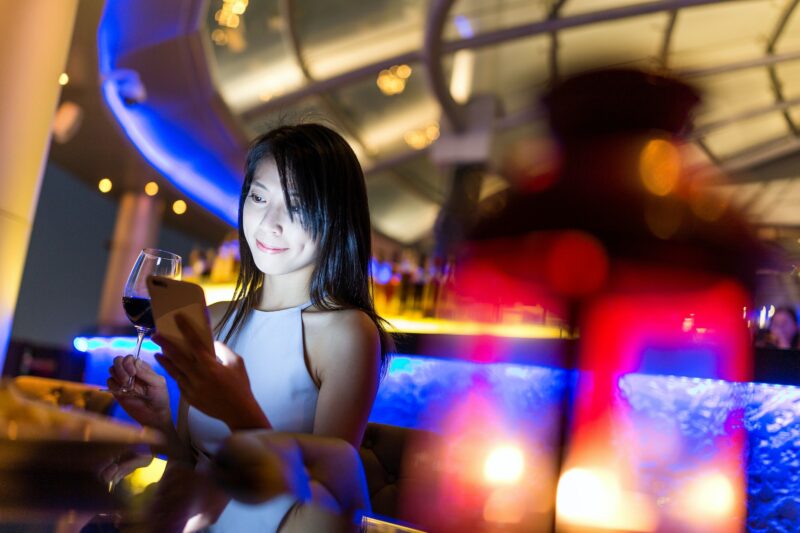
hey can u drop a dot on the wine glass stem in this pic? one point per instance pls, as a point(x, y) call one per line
point(140, 333)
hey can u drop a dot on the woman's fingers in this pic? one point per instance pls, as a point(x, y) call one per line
point(129, 364)
point(146, 374)
point(118, 370)
point(176, 354)
point(192, 336)
point(173, 370)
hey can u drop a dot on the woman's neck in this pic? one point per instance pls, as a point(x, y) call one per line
point(285, 290)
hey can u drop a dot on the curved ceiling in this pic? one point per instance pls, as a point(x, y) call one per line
point(384, 73)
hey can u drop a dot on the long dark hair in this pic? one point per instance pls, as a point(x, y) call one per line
point(318, 164)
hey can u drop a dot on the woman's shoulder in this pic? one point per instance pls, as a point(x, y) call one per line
point(216, 311)
point(343, 321)
point(340, 333)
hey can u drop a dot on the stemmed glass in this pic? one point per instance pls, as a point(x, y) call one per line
point(136, 298)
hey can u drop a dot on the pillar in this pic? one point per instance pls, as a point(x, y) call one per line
point(137, 225)
point(35, 38)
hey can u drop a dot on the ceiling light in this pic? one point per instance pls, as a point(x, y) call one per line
point(401, 71)
point(151, 189)
point(104, 185)
point(392, 81)
point(179, 207)
point(219, 37)
point(63, 79)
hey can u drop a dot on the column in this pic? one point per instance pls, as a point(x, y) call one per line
point(34, 42)
point(137, 225)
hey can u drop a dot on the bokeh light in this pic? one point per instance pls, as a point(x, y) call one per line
point(179, 207)
point(151, 189)
point(104, 185)
point(504, 465)
point(709, 497)
point(139, 479)
point(660, 167)
point(587, 496)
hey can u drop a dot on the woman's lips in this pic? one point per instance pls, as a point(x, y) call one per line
point(269, 249)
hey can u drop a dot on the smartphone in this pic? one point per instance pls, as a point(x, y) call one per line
point(168, 297)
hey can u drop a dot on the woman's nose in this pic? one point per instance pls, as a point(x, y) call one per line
point(272, 221)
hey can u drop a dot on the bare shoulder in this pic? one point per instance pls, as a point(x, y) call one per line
point(216, 311)
point(343, 335)
point(343, 323)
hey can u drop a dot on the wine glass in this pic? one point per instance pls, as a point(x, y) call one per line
point(136, 299)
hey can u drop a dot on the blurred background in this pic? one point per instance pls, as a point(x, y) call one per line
point(207, 76)
point(155, 103)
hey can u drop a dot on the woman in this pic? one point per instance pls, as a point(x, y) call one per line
point(303, 346)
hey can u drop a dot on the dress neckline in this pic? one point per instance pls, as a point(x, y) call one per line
point(301, 307)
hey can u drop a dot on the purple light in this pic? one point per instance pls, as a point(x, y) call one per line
point(463, 26)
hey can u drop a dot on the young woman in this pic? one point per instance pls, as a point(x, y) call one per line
point(302, 346)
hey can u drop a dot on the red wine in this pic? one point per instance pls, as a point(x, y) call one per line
point(139, 312)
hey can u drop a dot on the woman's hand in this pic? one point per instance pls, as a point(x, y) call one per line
point(120, 467)
point(148, 403)
point(184, 500)
point(214, 383)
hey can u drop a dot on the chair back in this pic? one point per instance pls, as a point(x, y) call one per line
point(397, 467)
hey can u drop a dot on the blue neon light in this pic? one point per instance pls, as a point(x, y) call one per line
point(170, 147)
point(114, 344)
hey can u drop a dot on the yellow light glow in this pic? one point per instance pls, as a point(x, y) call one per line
point(223, 292)
point(587, 496)
point(505, 505)
point(451, 327)
point(390, 82)
point(265, 96)
point(504, 465)
point(594, 498)
point(179, 207)
point(63, 79)
point(462, 74)
point(151, 189)
point(710, 497)
point(232, 21)
point(432, 132)
point(402, 71)
point(660, 167)
point(218, 292)
point(139, 479)
point(705, 204)
point(239, 6)
point(219, 37)
point(104, 185)
point(416, 139)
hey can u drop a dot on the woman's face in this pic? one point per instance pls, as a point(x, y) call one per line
point(279, 244)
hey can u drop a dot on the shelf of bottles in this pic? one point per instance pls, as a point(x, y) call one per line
point(413, 292)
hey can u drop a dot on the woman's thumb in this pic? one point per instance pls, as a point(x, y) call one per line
point(225, 355)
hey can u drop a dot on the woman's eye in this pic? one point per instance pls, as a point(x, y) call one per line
point(256, 198)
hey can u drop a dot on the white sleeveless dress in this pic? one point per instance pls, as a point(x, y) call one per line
point(271, 344)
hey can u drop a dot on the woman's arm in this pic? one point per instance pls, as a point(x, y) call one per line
point(324, 475)
point(344, 350)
